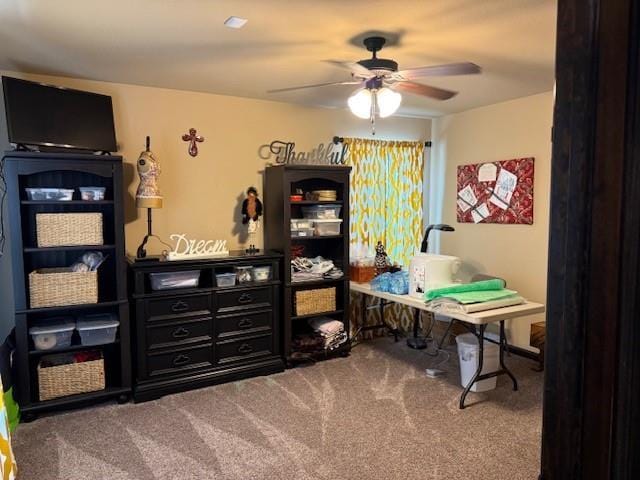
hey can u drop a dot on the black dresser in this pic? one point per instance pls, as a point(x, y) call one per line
point(185, 338)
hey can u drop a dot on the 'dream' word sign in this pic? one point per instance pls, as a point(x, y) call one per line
point(190, 249)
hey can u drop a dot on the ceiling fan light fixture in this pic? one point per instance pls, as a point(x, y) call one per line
point(388, 102)
point(360, 103)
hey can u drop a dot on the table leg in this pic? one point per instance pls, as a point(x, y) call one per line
point(504, 346)
point(467, 389)
point(416, 342)
point(446, 332)
point(393, 330)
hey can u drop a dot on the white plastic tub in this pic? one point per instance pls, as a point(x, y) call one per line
point(327, 227)
point(468, 353)
point(262, 274)
point(92, 194)
point(322, 211)
point(97, 329)
point(52, 333)
point(168, 280)
point(225, 279)
point(57, 194)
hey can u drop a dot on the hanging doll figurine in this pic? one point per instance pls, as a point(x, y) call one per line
point(382, 259)
point(251, 213)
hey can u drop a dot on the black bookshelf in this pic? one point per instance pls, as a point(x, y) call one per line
point(280, 183)
point(61, 170)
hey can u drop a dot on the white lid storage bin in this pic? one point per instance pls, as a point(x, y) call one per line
point(262, 274)
point(92, 194)
point(225, 279)
point(52, 333)
point(49, 194)
point(97, 329)
point(327, 227)
point(167, 280)
point(302, 232)
point(322, 211)
point(300, 223)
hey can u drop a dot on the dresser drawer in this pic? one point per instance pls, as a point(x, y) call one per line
point(188, 331)
point(243, 324)
point(163, 308)
point(242, 298)
point(244, 349)
point(184, 360)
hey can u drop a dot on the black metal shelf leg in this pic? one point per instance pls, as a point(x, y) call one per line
point(504, 346)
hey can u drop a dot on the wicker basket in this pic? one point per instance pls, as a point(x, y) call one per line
point(61, 229)
point(71, 379)
point(320, 300)
point(56, 287)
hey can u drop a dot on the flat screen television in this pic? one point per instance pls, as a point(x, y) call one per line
point(49, 116)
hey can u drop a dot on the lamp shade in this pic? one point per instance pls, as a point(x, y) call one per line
point(360, 103)
point(388, 101)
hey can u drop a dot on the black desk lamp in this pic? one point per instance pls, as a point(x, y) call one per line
point(415, 341)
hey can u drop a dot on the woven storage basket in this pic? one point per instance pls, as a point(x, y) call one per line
point(60, 229)
point(56, 287)
point(71, 379)
point(315, 301)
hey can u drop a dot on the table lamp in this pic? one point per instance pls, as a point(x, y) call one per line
point(148, 194)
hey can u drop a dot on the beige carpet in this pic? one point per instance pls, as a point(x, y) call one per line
point(373, 415)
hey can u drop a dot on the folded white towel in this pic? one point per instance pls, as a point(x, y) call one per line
point(325, 325)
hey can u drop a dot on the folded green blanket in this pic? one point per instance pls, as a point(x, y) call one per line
point(482, 291)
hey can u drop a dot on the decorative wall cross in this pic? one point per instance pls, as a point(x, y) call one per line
point(192, 138)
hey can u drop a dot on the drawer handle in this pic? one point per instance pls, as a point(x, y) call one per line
point(245, 348)
point(245, 323)
point(180, 306)
point(245, 298)
point(180, 332)
point(181, 359)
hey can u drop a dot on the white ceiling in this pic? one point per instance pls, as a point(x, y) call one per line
point(183, 44)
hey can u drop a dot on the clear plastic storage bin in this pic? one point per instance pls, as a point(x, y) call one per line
point(225, 279)
point(262, 274)
point(53, 333)
point(167, 280)
point(92, 194)
point(302, 232)
point(327, 227)
point(322, 211)
point(243, 274)
point(300, 223)
point(58, 194)
point(97, 329)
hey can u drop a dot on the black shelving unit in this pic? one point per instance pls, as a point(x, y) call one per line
point(62, 170)
point(280, 183)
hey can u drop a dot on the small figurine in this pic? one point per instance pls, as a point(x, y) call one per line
point(382, 259)
point(192, 138)
point(251, 213)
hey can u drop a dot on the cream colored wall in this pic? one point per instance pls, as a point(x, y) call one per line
point(514, 129)
point(202, 194)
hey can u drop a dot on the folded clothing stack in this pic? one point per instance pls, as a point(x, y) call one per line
point(328, 334)
point(473, 297)
point(308, 269)
point(329, 329)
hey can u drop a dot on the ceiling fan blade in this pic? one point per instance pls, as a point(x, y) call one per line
point(354, 67)
point(464, 68)
point(288, 89)
point(424, 90)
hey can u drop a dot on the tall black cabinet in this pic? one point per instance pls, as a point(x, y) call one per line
point(280, 183)
point(70, 171)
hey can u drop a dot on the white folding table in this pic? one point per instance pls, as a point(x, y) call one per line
point(477, 319)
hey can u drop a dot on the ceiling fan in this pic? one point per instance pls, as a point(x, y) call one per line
point(380, 81)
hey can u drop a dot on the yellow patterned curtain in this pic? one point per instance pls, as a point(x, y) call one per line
point(386, 195)
point(386, 205)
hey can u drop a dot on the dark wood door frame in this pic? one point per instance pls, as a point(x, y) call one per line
point(593, 315)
